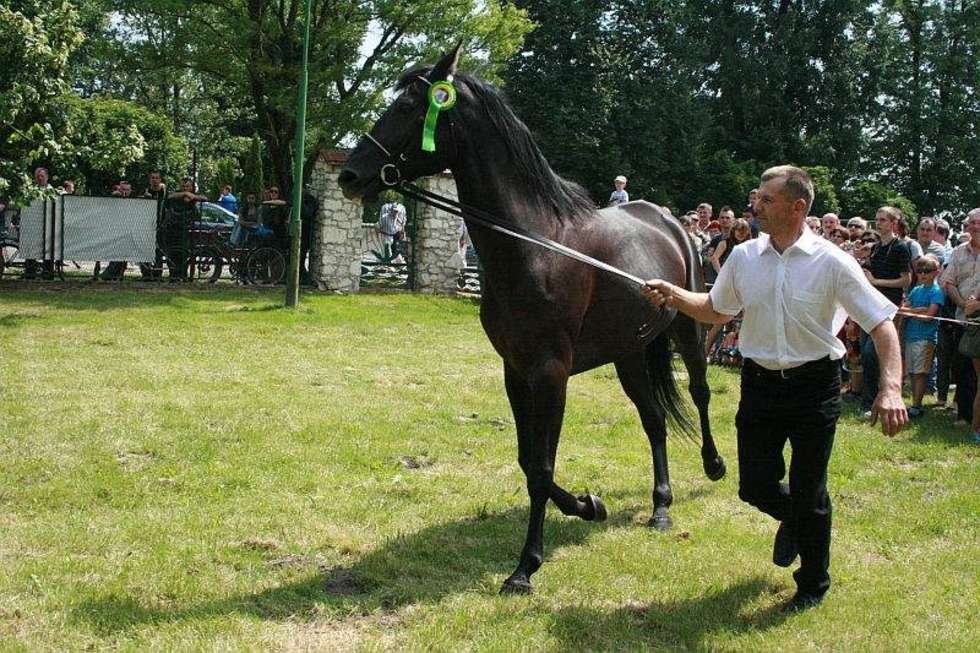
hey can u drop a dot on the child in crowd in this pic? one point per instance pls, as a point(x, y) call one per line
point(925, 299)
point(619, 196)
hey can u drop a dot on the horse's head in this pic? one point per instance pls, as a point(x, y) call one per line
point(410, 140)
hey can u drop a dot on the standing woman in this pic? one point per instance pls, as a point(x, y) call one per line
point(741, 232)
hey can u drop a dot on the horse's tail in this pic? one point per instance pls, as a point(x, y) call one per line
point(660, 369)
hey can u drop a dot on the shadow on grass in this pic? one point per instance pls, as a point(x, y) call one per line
point(465, 555)
point(16, 319)
point(109, 296)
point(682, 624)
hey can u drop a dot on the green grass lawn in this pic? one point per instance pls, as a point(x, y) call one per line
point(204, 470)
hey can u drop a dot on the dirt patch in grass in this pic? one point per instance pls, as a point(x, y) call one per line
point(343, 582)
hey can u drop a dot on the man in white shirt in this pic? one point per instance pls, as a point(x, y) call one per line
point(795, 289)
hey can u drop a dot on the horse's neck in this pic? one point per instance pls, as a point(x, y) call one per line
point(489, 182)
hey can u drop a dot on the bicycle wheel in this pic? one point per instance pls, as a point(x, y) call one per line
point(265, 266)
point(205, 265)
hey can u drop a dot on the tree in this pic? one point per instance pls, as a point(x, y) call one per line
point(108, 139)
point(253, 49)
point(36, 41)
point(252, 170)
point(825, 195)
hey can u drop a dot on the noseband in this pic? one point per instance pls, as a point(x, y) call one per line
point(442, 97)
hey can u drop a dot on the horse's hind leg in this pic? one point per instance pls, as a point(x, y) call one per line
point(588, 507)
point(687, 337)
point(540, 418)
point(634, 378)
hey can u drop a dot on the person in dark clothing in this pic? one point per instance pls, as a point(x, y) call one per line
point(889, 269)
point(790, 284)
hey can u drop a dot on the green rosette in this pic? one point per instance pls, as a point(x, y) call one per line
point(442, 97)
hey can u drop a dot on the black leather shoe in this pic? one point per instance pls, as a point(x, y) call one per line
point(784, 546)
point(801, 602)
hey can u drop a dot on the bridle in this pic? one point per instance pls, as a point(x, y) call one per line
point(442, 97)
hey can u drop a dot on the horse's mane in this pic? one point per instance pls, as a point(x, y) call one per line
point(568, 200)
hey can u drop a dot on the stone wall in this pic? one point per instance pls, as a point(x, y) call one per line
point(437, 259)
point(335, 254)
point(338, 237)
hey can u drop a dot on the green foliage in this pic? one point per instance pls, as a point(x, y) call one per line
point(864, 198)
point(36, 41)
point(222, 171)
point(252, 52)
point(825, 195)
point(678, 95)
point(111, 138)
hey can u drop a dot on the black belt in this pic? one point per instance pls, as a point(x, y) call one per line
point(792, 372)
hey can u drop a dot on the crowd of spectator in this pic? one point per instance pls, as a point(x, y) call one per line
point(178, 210)
point(930, 274)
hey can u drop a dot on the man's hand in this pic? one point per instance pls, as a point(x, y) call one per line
point(659, 292)
point(870, 277)
point(891, 409)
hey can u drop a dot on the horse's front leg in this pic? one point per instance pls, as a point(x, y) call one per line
point(546, 384)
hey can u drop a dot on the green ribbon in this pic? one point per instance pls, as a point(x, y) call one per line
point(442, 97)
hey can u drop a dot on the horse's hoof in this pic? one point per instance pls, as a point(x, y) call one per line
point(516, 586)
point(661, 523)
point(715, 469)
point(596, 508)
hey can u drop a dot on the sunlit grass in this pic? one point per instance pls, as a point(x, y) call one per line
point(205, 470)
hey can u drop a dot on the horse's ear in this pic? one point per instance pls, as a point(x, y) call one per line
point(447, 65)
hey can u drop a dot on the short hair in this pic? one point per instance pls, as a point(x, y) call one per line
point(927, 261)
point(796, 182)
point(972, 214)
point(186, 180)
point(858, 221)
point(926, 221)
point(841, 232)
point(705, 205)
point(726, 208)
point(892, 212)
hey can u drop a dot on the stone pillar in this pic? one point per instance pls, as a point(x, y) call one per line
point(335, 255)
point(437, 260)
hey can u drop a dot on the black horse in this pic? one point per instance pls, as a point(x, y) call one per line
point(549, 316)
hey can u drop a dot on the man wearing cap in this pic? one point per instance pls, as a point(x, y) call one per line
point(791, 285)
point(619, 196)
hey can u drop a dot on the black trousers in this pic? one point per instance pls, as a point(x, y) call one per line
point(802, 409)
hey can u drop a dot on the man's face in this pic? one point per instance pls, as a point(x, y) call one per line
point(725, 219)
point(125, 189)
point(187, 186)
point(829, 222)
point(924, 233)
point(620, 185)
point(41, 177)
point(773, 208)
point(973, 228)
point(155, 180)
point(885, 224)
point(856, 231)
point(753, 196)
point(704, 216)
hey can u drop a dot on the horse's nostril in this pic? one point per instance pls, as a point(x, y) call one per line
point(347, 177)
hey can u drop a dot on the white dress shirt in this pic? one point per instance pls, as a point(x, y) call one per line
point(796, 302)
